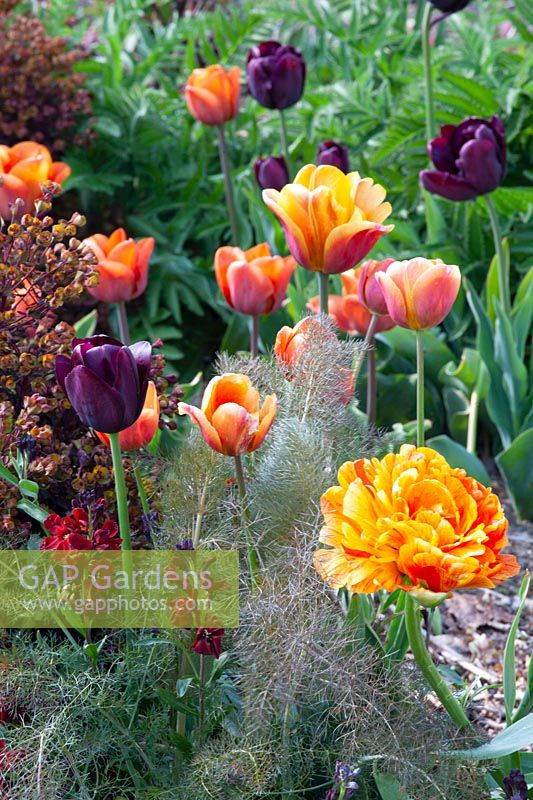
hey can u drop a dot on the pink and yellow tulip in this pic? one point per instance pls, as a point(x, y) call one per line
point(331, 220)
point(230, 419)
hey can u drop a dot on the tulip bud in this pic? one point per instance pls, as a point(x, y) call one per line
point(143, 430)
point(275, 74)
point(470, 159)
point(105, 381)
point(230, 419)
point(334, 154)
point(253, 282)
point(122, 266)
point(213, 93)
point(449, 6)
point(419, 293)
point(271, 172)
point(369, 290)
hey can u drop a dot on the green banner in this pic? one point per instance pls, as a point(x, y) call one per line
point(115, 589)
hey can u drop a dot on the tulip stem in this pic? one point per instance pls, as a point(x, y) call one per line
point(141, 491)
point(122, 319)
point(254, 336)
point(252, 555)
point(503, 277)
point(471, 433)
point(371, 383)
point(419, 389)
point(323, 286)
point(228, 186)
point(120, 492)
point(284, 138)
point(428, 78)
point(428, 668)
point(369, 338)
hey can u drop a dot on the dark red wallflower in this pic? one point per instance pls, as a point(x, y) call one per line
point(208, 641)
point(78, 531)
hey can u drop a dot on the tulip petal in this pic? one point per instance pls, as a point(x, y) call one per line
point(96, 403)
point(116, 284)
point(204, 105)
point(142, 353)
point(278, 270)
point(123, 252)
point(267, 415)
point(259, 251)
point(59, 172)
point(63, 366)
point(230, 388)
point(118, 235)
point(128, 385)
point(296, 240)
point(480, 165)
point(394, 299)
point(447, 185)
point(143, 252)
point(11, 188)
point(348, 244)
point(251, 292)
point(235, 427)
point(209, 434)
point(434, 294)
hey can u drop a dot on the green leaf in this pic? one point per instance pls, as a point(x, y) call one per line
point(389, 787)
point(29, 489)
point(458, 456)
point(7, 475)
point(509, 656)
point(86, 326)
point(516, 465)
point(509, 741)
point(33, 510)
point(182, 685)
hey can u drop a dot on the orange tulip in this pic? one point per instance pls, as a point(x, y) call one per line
point(331, 220)
point(122, 266)
point(26, 297)
point(349, 313)
point(213, 93)
point(143, 430)
point(23, 168)
point(230, 418)
point(253, 281)
point(369, 290)
point(419, 293)
point(410, 521)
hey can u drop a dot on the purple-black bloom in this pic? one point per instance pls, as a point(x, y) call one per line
point(333, 154)
point(470, 159)
point(515, 785)
point(449, 6)
point(271, 172)
point(275, 74)
point(105, 381)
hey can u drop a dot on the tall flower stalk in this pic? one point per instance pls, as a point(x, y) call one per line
point(253, 561)
point(228, 186)
point(504, 290)
point(420, 433)
point(121, 494)
point(428, 71)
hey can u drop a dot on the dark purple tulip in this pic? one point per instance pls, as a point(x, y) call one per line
point(449, 6)
point(469, 158)
point(334, 154)
point(275, 74)
point(271, 172)
point(515, 785)
point(105, 381)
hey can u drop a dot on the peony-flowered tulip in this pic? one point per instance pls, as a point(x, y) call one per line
point(275, 74)
point(143, 430)
point(412, 522)
point(213, 93)
point(419, 293)
point(449, 6)
point(122, 266)
point(349, 313)
point(105, 381)
point(271, 172)
point(230, 419)
point(369, 290)
point(331, 220)
point(334, 154)
point(253, 281)
point(470, 159)
point(23, 168)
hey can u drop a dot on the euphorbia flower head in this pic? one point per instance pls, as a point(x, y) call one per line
point(143, 430)
point(230, 419)
point(413, 522)
point(334, 154)
point(271, 172)
point(331, 220)
point(23, 168)
point(349, 313)
point(253, 281)
point(105, 381)
point(419, 293)
point(122, 266)
point(369, 291)
point(275, 74)
point(213, 93)
point(470, 159)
